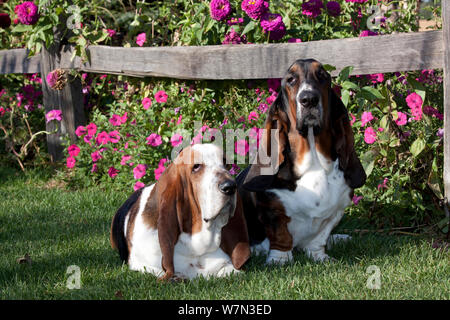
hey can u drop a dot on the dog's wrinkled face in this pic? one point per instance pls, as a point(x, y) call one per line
point(213, 188)
point(306, 86)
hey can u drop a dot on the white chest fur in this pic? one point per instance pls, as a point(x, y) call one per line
point(318, 202)
point(194, 255)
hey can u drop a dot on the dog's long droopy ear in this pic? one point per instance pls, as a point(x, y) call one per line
point(235, 240)
point(343, 141)
point(169, 227)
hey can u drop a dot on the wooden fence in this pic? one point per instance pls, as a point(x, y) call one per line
point(377, 54)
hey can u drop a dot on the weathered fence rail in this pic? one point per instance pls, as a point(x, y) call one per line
point(377, 54)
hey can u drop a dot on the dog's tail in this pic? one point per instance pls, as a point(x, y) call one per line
point(117, 238)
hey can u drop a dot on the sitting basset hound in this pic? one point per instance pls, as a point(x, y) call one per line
point(314, 172)
point(189, 223)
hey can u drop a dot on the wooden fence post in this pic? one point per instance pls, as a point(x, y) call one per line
point(446, 36)
point(69, 100)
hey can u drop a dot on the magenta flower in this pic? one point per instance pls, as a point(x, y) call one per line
point(2, 111)
point(333, 8)
point(356, 199)
point(154, 140)
point(263, 107)
point(176, 139)
point(147, 103)
point(124, 118)
point(91, 129)
point(234, 169)
point(253, 116)
point(312, 8)
point(271, 99)
point(294, 40)
point(114, 136)
point(95, 156)
point(383, 185)
point(102, 138)
point(161, 96)
point(139, 171)
point(401, 119)
point(53, 115)
point(440, 133)
point(233, 37)
point(255, 8)
point(158, 172)
point(115, 120)
point(111, 32)
point(366, 117)
point(367, 33)
point(80, 130)
point(70, 162)
point(73, 150)
point(27, 12)
point(370, 135)
point(234, 21)
point(241, 147)
point(414, 102)
point(219, 9)
point(125, 159)
point(52, 78)
point(273, 23)
point(141, 38)
point(138, 185)
point(94, 168)
point(429, 110)
point(112, 172)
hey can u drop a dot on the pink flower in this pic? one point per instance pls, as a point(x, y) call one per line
point(254, 8)
point(353, 119)
point(219, 9)
point(111, 32)
point(95, 156)
point(160, 168)
point(366, 117)
point(383, 185)
point(91, 129)
point(401, 119)
point(94, 168)
point(114, 136)
point(147, 103)
point(356, 199)
point(263, 107)
point(176, 139)
point(87, 138)
point(375, 78)
point(312, 8)
point(154, 140)
point(27, 12)
point(294, 40)
point(2, 111)
point(115, 120)
point(179, 119)
point(53, 115)
point(80, 131)
point(139, 171)
point(234, 169)
point(73, 150)
point(370, 135)
point(271, 99)
point(241, 147)
point(367, 33)
point(414, 102)
point(112, 172)
point(161, 96)
point(70, 162)
point(124, 118)
point(138, 185)
point(253, 116)
point(102, 138)
point(124, 160)
point(52, 78)
point(141, 38)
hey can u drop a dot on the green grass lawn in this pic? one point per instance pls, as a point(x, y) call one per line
point(58, 228)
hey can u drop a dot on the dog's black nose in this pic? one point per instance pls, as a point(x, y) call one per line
point(228, 187)
point(309, 99)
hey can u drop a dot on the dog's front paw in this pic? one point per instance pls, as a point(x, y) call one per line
point(279, 257)
point(227, 270)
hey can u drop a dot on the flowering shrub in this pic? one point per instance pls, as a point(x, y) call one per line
point(134, 124)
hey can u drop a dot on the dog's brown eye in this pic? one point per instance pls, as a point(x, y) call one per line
point(196, 167)
point(291, 80)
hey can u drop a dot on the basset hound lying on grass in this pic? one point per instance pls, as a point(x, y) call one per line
point(189, 223)
point(315, 171)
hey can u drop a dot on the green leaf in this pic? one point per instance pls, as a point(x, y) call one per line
point(370, 93)
point(249, 27)
point(350, 85)
point(345, 97)
point(21, 28)
point(345, 73)
point(417, 147)
point(329, 67)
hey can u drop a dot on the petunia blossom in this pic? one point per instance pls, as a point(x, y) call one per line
point(176, 139)
point(154, 140)
point(114, 136)
point(161, 96)
point(95, 156)
point(80, 131)
point(370, 135)
point(138, 185)
point(401, 119)
point(366, 118)
point(139, 171)
point(147, 103)
point(70, 162)
point(73, 150)
point(112, 172)
point(53, 115)
point(141, 38)
point(102, 138)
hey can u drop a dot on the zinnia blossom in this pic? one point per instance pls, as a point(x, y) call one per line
point(139, 171)
point(254, 8)
point(176, 140)
point(233, 37)
point(141, 38)
point(27, 12)
point(273, 23)
point(312, 8)
point(53, 115)
point(154, 140)
point(333, 8)
point(294, 40)
point(370, 135)
point(70, 162)
point(219, 9)
point(161, 96)
point(73, 150)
